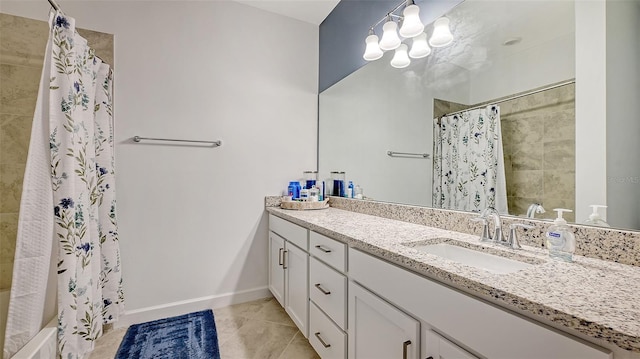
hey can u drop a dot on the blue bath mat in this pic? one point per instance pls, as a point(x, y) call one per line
point(189, 336)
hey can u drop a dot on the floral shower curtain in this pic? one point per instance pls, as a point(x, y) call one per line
point(83, 174)
point(75, 116)
point(468, 168)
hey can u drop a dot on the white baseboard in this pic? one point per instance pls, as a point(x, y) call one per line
point(191, 305)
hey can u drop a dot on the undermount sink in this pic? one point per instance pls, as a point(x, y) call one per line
point(489, 262)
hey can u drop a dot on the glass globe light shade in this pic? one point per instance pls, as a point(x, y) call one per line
point(411, 25)
point(441, 34)
point(401, 58)
point(390, 39)
point(419, 47)
point(372, 51)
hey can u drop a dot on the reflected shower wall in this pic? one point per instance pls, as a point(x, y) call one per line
point(22, 46)
point(538, 134)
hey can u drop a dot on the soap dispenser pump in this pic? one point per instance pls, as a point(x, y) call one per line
point(594, 218)
point(560, 239)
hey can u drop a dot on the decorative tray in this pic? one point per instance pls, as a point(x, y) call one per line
point(301, 206)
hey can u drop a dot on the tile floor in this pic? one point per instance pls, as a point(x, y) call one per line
point(257, 329)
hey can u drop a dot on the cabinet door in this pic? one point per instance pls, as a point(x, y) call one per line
point(378, 329)
point(276, 271)
point(296, 265)
point(438, 347)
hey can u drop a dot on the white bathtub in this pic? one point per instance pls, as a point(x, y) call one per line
point(42, 346)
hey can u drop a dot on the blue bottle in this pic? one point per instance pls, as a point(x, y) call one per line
point(294, 189)
point(310, 183)
point(338, 188)
point(350, 190)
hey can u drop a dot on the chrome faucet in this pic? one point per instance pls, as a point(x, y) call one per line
point(513, 238)
point(484, 218)
point(533, 209)
point(484, 237)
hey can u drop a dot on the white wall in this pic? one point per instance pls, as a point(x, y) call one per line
point(377, 109)
point(526, 69)
point(192, 221)
point(591, 113)
point(623, 112)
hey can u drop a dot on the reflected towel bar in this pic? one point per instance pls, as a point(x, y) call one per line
point(214, 143)
point(407, 154)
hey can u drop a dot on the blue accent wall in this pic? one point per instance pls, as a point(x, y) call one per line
point(343, 32)
point(342, 36)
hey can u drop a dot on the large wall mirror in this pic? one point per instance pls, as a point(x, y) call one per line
point(563, 77)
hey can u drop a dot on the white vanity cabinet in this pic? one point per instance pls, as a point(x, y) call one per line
point(350, 304)
point(484, 329)
point(378, 330)
point(289, 268)
point(437, 347)
point(276, 266)
point(328, 295)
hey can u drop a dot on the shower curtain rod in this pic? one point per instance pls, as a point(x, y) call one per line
point(514, 97)
point(54, 5)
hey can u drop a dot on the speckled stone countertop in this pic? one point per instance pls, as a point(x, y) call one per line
point(600, 299)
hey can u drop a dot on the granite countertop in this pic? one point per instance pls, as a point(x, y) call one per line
point(597, 298)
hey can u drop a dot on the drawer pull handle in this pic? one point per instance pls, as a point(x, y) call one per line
point(325, 292)
point(280, 259)
point(405, 347)
point(324, 249)
point(322, 341)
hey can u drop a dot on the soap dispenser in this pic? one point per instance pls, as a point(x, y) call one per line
point(595, 219)
point(560, 239)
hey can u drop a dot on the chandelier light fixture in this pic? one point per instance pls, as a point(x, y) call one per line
point(411, 28)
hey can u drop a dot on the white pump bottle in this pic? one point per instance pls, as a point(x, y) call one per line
point(595, 219)
point(560, 239)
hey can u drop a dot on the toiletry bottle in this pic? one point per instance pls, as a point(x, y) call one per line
point(359, 194)
point(338, 183)
point(313, 194)
point(304, 194)
point(594, 218)
point(294, 189)
point(297, 190)
point(310, 178)
point(560, 239)
point(350, 190)
point(321, 191)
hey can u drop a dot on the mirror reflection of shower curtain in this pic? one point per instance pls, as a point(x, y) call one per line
point(468, 162)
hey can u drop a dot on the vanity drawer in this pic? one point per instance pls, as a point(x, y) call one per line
point(328, 250)
point(289, 231)
point(328, 289)
point(325, 337)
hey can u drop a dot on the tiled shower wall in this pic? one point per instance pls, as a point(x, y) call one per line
point(538, 134)
point(539, 139)
point(22, 47)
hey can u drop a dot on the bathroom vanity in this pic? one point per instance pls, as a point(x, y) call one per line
point(362, 286)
